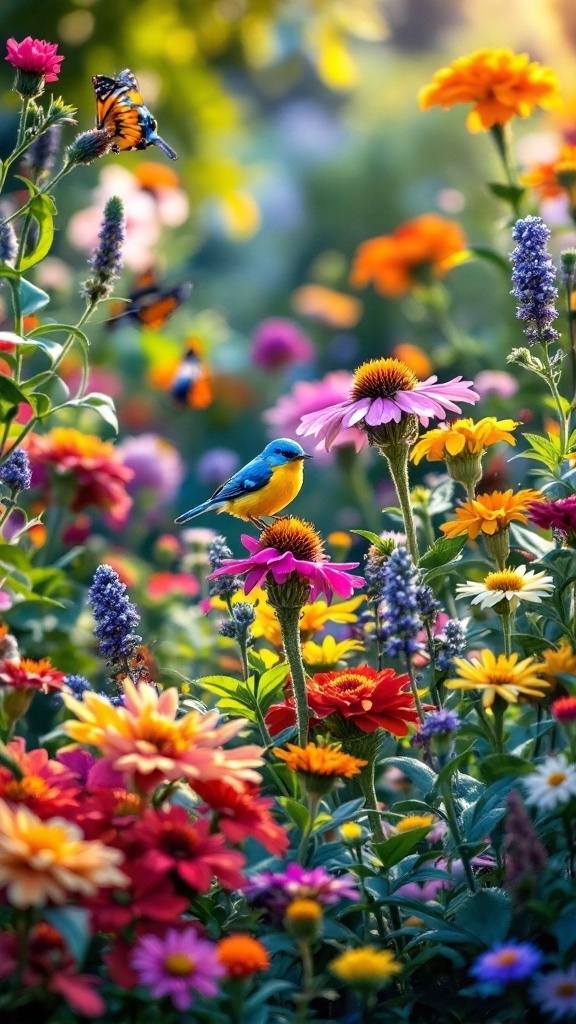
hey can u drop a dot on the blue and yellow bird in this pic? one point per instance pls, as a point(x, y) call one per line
point(262, 487)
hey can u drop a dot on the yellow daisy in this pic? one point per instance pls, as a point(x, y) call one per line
point(504, 676)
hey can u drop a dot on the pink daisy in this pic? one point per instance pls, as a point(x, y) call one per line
point(177, 965)
point(385, 391)
point(36, 56)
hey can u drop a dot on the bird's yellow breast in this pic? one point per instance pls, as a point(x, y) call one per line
point(281, 489)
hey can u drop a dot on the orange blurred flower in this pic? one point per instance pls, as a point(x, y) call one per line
point(426, 246)
point(500, 83)
point(328, 307)
point(415, 358)
point(554, 178)
point(242, 955)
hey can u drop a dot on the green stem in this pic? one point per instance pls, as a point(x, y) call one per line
point(562, 419)
point(397, 459)
point(498, 709)
point(307, 993)
point(507, 634)
point(572, 338)
point(454, 827)
point(414, 688)
point(313, 803)
point(503, 140)
point(368, 790)
point(289, 620)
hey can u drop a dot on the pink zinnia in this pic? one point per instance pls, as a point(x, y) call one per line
point(556, 515)
point(310, 396)
point(386, 391)
point(279, 343)
point(177, 966)
point(290, 545)
point(35, 56)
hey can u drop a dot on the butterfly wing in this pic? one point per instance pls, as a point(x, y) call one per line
point(116, 113)
point(191, 385)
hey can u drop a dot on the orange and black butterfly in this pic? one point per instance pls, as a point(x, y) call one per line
point(121, 112)
point(191, 385)
point(149, 304)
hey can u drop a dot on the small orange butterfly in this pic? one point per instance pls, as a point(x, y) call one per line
point(149, 304)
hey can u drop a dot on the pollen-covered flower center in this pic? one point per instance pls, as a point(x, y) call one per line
point(31, 786)
point(180, 965)
point(507, 957)
point(382, 378)
point(503, 581)
point(126, 803)
point(556, 778)
point(350, 683)
point(293, 535)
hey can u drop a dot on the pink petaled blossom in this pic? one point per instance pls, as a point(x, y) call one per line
point(177, 966)
point(325, 577)
point(279, 343)
point(312, 396)
point(386, 391)
point(496, 382)
point(36, 56)
point(555, 515)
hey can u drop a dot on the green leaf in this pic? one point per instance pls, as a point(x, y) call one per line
point(419, 773)
point(10, 394)
point(222, 686)
point(397, 847)
point(236, 709)
point(295, 810)
point(444, 550)
point(510, 193)
point(486, 915)
point(497, 766)
point(14, 557)
point(374, 538)
point(271, 685)
point(100, 403)
point(31, 298)
point(485, 252)
point(41, 208)
point(53, 349)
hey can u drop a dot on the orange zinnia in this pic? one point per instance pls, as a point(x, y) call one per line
point(500, 84)
point(490, 513)
point(242, 955)
point(555, 177)
point(420, 248)
point(327, 761)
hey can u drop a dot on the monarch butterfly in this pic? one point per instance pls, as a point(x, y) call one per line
point(149, 304)
point(191, 385)
point(120, 111)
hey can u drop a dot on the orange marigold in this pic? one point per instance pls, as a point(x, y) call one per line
point(242, 955)
point(427, 246)
point(500, 83)
point(490, 513)
point(327, 761)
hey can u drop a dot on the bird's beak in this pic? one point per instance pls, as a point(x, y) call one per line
point(305, 456)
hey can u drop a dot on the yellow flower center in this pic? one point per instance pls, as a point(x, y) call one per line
point(505, 580)
point(556, 778)
point(382, 378)
point(180, 965)
point(303, 910)
point(294, 535)
point(32, 786)
point(414, 821)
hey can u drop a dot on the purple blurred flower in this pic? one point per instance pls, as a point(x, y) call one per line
point(496, 382)
point(276, 889)
point(216, 465)
point(279, 343)
point(556, 993)
point(309, 396)
point(157, 467)
point(177, 965)
point(77, 760)
point(509, 962)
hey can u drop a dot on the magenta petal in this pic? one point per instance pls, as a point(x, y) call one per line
point(254, 578)
point(251, 544)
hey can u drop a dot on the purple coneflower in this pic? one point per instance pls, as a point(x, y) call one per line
point(177, 965)
point(279, 343)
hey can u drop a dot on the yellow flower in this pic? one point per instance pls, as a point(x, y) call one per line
point(50, 861)
point(501, 84)
point(365, 967)
point(351, 833)
point(326, 761)
point(559, 662)
point(313, 618)
point(329, 654)
point(412, 821)
point(462, 438)
point(503, 676)
point(490, 513)
point(303, 919)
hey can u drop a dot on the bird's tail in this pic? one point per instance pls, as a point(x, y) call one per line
point(193, 512)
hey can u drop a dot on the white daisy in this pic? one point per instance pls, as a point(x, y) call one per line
point(553, 783)
point(512, 585)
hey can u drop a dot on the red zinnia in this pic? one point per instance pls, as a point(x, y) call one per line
point(244, 814)
point(47, 787)
point(35, 56)
point(176, 844)
point(364, 697)
point(31, 675)
point(564, 710)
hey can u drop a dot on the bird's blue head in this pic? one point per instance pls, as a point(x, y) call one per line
point(283, 450)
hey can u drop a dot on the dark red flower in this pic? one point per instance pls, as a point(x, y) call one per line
point(244, 814)
point(36, 56)
point(175, 844)
point(150, 896)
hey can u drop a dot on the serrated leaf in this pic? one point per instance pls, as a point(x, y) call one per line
point(486, 915)
point(444, 550)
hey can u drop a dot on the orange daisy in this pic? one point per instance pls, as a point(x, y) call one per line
point(490, 513)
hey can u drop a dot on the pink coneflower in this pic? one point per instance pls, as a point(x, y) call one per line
point(279, 343)
point(177, 966)
point(387, 391)
point(310, 396)
point(287, 546)
point(556, 515)
point(35, 56)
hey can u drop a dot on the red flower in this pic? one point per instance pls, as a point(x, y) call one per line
point(109, 815)
point(162, 585)
point(149, 897)
point(91, 467)
point(244, 814)
point(47, 787)
point(36, 56)
point(176, 844)
point(49, 964)
point(366, 698)
point(31, 675)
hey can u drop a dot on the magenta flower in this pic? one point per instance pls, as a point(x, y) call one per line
point(310, 396)
point(177, 965)
point(279, 343)
point(324, 577)
point(276, 889)
point(555, 515)
point(35, 56)
point(385, 391)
